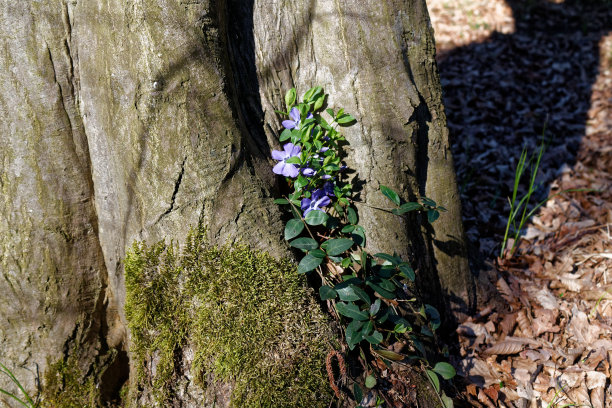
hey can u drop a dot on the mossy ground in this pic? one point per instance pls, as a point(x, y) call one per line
point(248, 317)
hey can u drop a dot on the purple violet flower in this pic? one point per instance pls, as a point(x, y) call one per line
point(294, 119)
point(283, 168)
point(307, 171)
point(328, 188)
point(316, 202)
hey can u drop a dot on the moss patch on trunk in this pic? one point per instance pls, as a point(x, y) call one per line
point(247, 317)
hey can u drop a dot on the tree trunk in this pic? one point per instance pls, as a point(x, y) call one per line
point(134, 120)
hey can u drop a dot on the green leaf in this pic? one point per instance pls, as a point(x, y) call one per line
point(375, 338)
point(281, 201)
point(312, 92)
point(293, 228)
point(317, 253)
point(367, 329)
point(346, 262)
point(432, 215)
point(293, 160)
point(351, 310)
point(330, 112)
point(359, 235)
point(304, 243)
point(390, 194)
point(433, 377)
point(345, 119)
point(387, 257)
point(319, 102)
point(353, 333)
point(370, 381)
point(375, 307)
point(290, 97)
point(447, 401)
point(384, 293)
point(352, 215)
point(389, 355)
point(400, 328)
point(285, 135)
point(348, 229)
point(357, 392)
point(407, 207)
point(308, 263)
point(337, 246)
point(325, 292)
point(428, 201)
point(353, 292)
point(315, 217)
point(406, 271)
point(446, 370)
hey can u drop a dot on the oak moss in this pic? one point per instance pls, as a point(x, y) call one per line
point(65, 387)
point(247, 316)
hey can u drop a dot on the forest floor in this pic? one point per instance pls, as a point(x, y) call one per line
point(517, 74)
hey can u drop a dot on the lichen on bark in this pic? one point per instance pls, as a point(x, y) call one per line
point(209, 315)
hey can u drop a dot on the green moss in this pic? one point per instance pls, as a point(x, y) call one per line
point(247, 316)
point(66, 387)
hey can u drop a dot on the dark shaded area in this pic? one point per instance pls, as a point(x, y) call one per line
point(501, 94)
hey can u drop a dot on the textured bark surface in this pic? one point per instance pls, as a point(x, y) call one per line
point(377, 61)
point(133, 120)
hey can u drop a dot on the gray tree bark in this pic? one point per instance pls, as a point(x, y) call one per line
point(132, 120)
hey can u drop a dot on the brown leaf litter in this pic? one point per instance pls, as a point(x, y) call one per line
point(543, 332)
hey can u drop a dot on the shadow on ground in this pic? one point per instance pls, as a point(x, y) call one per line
point(500, 95)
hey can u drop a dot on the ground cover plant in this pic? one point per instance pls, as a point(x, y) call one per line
point(372, 293)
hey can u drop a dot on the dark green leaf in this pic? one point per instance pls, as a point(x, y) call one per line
point(446, 370)
point(325, 292)
point(447, 401)
point(359, 235)
point(433, 377)
point(304, 243)
point(387, 257)
point(308, 263)
point(352, 215)
point(353, 333)
point(348, 228)
point(330, 112)
point(336, 246)
point(407, 207)
point(316, 217)
point(390, 194)
point(432, 215)
point(346, 292)
point(281, 201)
point(357, 393)
point(370, 381)
point(375, 307)
point(290, 97)
point(367, 329)
point(384, 293)
point(317, 253)
point(351, 310)
point(375, 338)
point(406, 271)
point(293, 228)
point(428, 201)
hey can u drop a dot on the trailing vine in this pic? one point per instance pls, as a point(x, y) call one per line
point(372, 294)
